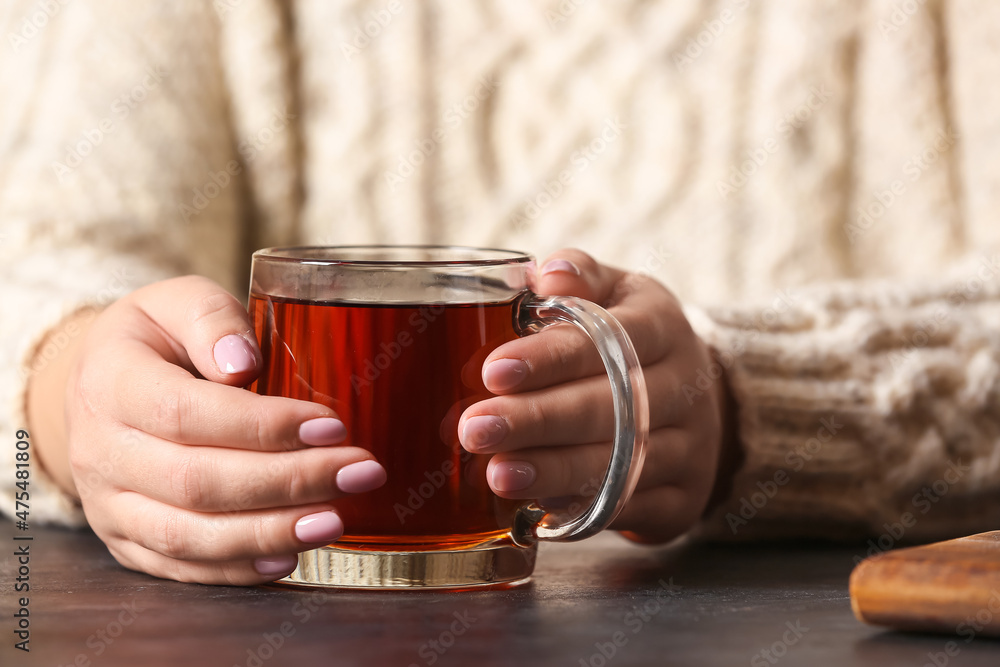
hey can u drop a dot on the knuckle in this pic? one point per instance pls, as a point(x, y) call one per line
point(186, 481)
point(648, 332)
point(206, 306)
point(560, 354)
point(263, 430)
point(87, 384)
point(538, 417)
point(255, 487)
point(175, 409)
point(171, 537)
point(567, 352)
point(297, 484)
point(261, 537)
point(231, 576)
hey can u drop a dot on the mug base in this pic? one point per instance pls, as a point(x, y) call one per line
point(497, 564)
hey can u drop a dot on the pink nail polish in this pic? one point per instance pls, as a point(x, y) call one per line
point(360, 477)
point(504, 374)
point(319, 527)
point(278, 565)
point(233, 354)
point(513, 476)
point(322, 431)
point(484, 431)
point(561, 266)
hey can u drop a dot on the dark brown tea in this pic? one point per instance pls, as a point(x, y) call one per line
point(399, 377)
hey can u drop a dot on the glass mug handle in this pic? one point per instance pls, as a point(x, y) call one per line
point(631, 406)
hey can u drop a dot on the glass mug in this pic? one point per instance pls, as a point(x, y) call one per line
point(393, 338)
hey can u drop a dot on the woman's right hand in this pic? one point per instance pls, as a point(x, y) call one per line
point(183, 473)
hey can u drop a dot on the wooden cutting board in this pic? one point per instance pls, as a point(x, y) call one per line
point(949, 587)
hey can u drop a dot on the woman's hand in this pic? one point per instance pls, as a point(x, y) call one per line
point(181, 472)
point(552, 423)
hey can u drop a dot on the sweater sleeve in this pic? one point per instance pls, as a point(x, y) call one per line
point(110, 134)
point(864, 410)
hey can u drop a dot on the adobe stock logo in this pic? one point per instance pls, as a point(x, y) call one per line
point(750, 505)
point(432, 650)
point(712, 30)
point(388, 352)
point(579, 161)
point(417, 496)
point(882, 200)
point(754, 158)
point(456, 114)
point(377, 21)
point(88, 141)
point(35, 22)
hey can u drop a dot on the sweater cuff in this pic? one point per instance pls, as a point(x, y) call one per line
point(862, 410)
point(49, 504)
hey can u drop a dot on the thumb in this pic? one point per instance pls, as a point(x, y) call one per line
point(209, 329)
point(572, 272)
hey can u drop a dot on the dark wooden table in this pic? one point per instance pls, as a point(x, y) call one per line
point(727, 605)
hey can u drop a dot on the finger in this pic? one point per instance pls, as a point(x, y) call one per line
point(571, 272)
point(168, 402)
point(232, 573)
point(650, 314)
point(208, 325)
point(577, 470)
point(212, 479)
point(563, 353)
point(571, 413)
point(222, 536)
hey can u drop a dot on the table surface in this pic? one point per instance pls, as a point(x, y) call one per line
point(773, 604)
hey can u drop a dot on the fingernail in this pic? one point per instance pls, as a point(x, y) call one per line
point(322, 431)
point(484, 431)
point(360, 477)
point(319, 527)
point(233, 354)
point(560, 266)
point(504, 374)
point(279, 565)
point(513, 476)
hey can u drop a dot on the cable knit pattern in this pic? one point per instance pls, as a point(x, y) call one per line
point(732, 149)
point(859, 407)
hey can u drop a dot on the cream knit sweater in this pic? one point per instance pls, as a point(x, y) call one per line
point(824, 173)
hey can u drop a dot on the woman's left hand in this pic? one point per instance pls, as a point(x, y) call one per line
point(551, 424)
